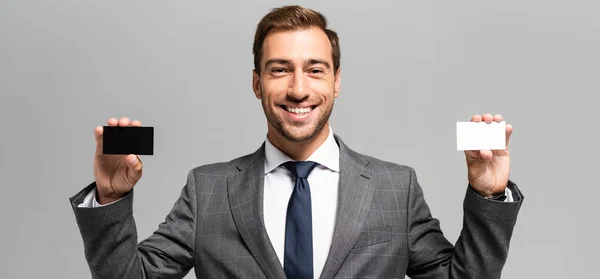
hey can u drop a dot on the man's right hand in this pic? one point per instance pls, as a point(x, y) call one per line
point(115, 174)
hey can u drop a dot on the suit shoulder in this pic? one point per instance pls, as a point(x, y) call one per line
point(223, 168)
point(383, 166)
point(389, 175)
point(377, 165)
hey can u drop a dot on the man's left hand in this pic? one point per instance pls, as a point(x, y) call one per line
point(488, 170)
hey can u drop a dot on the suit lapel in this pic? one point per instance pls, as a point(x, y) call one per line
point(355, 197)
point(245, 193)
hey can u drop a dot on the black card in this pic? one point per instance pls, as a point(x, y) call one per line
point(128, 140)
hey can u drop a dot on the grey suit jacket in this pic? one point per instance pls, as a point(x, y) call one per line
point(383, 228)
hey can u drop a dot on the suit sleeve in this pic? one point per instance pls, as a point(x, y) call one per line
point(480, 251)
point(110, 238)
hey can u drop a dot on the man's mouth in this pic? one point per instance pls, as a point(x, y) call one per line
point(299, 110)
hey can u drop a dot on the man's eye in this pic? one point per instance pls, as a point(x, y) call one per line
point(278, 70)
point(316, 71)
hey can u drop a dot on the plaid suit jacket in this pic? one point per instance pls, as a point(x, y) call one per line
point(384, 228)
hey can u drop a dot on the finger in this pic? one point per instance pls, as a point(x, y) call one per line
point(488, 118)
point(124, 122)
point(135, 165)
point(113, 121)
point(486, 154)
point(498, 118)
point(98, 135)
point(476, 118)
point(136, 123)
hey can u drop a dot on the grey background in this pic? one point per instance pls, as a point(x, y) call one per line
point(410, 70)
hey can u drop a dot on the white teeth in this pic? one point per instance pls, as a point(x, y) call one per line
point(299, 110)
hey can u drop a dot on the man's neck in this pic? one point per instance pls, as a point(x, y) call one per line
point(298, 151)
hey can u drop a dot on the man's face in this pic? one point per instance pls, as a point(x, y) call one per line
point(297, 83)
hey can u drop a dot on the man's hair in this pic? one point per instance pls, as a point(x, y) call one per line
point(293, 18)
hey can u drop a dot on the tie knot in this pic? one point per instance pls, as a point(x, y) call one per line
point(300, 169)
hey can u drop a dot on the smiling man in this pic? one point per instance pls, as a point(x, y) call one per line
point(304, 204)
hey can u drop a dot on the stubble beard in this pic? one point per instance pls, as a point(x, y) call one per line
point(286, 131)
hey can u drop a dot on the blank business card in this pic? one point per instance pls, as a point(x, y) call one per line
point(128, 140)
point(480, 135)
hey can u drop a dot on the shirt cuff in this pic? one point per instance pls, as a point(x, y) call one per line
point(91, 201)
point(509, 195)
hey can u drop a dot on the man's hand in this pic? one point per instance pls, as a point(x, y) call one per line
point(115, 174)
point(488, 170)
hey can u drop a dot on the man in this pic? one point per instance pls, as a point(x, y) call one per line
point(304, 205)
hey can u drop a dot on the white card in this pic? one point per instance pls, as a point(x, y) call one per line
point(480, 135)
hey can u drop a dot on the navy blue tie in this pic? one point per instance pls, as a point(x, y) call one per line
point(298, 260)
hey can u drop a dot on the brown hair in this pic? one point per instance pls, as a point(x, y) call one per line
point(293, 18)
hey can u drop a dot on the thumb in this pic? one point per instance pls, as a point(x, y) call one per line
point(486, 154)
point(135, 165)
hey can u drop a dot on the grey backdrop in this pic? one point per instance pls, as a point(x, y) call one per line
point(411, 69)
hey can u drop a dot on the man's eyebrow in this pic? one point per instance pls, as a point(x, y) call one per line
point(277, 61)
point(318, 61)
point(287, 62)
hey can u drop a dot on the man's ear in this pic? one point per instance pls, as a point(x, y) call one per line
point(256, 84)
point(337, 83)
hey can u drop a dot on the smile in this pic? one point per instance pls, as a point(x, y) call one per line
point(303, 110)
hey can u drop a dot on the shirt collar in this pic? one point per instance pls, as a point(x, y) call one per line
point(327, 155)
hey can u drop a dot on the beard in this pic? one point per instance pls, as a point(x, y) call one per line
point(298, 133)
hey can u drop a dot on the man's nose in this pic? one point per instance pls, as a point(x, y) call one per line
point(298, 86)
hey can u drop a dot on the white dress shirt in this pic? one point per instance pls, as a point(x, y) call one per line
point(278, 188)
